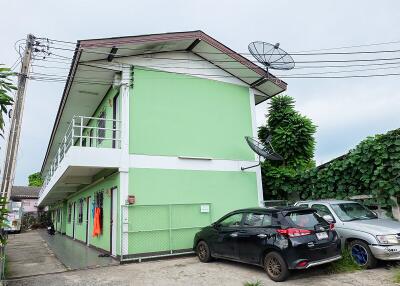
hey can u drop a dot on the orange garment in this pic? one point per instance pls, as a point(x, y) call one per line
point(96, 223)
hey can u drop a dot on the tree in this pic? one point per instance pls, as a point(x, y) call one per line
point(35, 180)
point(6, 86)
point(293, 138)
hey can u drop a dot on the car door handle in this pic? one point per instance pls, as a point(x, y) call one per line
point(235, 234)
point(262, 235)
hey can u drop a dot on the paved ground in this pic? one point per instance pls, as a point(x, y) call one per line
point(36, 252)
point(75, 255)
point(27, 254)
point(188, 271)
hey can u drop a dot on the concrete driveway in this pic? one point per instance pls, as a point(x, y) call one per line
point(28, 254)
point(188, 271)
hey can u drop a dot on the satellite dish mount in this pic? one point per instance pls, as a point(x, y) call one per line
point(266, 151)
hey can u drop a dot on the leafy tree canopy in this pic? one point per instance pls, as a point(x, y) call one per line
point(6, 86)
point(293, 138)
point(35, 180)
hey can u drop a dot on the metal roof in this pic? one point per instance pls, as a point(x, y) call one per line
point(196, 43)
point(24, 192)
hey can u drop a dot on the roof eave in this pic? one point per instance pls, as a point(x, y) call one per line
point(70, 78)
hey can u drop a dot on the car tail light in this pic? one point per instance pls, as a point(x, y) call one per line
point(331, 226)
point(302, 264)
point(293, 232)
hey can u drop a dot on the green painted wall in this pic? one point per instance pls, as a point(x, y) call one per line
point(225, 191)
point(179, 115)
point(106, 106)
point(103, 241)
point(59, 222)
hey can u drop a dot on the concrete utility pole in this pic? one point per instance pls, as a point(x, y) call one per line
point(10, 159)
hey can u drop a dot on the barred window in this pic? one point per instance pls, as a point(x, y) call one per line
point(69, 212)
point(80, 211)
point(101, 124)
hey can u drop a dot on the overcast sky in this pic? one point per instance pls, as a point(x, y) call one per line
point(345, 110)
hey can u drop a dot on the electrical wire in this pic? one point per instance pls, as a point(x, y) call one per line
point(101, 81)
point(298, 53)
point(204, 68)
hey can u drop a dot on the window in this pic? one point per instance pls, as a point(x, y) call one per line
point(91, 138)
point(101, 124)
point(80, 211)
point(322, 210)
point(352, 211)
point(26, 203)
point(232, 221)
point(306, 219)
point(69, 212)
point(257, 220)
point(303, 206)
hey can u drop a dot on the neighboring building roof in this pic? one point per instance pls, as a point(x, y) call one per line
point(24, 192)
point(196, 42)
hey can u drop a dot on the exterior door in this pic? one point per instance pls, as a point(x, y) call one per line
point(87, 219)
point(225, 244)
point(73, 220)
point(113, 222)
point(116, 124)
point(254, 235)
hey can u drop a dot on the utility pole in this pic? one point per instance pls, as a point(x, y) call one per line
point(10, 159)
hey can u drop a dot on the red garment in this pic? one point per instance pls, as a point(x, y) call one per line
point(96, 223)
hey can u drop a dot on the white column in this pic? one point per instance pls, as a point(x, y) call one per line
point(124, 166)
point(255, 135)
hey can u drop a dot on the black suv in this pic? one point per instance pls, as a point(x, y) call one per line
point(277, 239)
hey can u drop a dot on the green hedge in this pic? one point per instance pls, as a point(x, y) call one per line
point(372, 168)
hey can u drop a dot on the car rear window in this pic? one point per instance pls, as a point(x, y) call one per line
point(305, 219)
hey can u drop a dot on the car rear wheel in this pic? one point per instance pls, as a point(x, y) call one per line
point(276, 267)
point(203, 252)
point(362, 255)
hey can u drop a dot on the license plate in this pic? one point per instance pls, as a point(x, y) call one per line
point(321, 235)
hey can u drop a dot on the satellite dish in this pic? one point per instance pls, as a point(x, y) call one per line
point(271, 56)
point(266, 151)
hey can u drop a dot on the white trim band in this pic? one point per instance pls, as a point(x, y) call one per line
point(189, 163)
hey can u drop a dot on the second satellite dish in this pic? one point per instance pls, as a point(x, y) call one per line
point(266, 151)
point(271, 56)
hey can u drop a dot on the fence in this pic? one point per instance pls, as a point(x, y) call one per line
point(161, 230)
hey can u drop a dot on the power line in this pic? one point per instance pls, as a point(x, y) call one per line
point(303, 53)
point(234, 61)
point(202, 68)
point(239, 68)
point(54, 77)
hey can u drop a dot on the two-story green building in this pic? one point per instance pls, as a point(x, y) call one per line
point(148, 143)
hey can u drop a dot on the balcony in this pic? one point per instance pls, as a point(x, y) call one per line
point(90, 145)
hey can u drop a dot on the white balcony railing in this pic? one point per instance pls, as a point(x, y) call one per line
point(83, 132)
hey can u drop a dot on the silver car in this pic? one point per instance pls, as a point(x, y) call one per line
point(368, 237)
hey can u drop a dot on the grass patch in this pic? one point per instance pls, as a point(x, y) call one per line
point(396, 276)
point(346, 264)
point(257, 283)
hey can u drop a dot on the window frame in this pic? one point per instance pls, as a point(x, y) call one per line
point(330, 212)
point(101, 123)
point(230, 215)
point(80, 211)
point(69, 212)
point(258, 213)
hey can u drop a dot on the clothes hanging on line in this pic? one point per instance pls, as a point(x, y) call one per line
point(96, 223)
